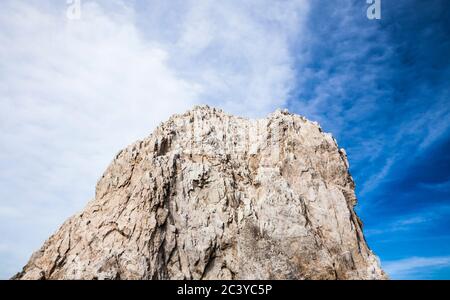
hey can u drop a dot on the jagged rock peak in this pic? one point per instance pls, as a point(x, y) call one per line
point(214, 196)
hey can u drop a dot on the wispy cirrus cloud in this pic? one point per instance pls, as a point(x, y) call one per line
point(366, 84)
point(402, 224)
point(416, 267)
point(241, 52)
point(381, 88)
point(437, 186)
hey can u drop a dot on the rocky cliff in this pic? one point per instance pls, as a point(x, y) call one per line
point(214, 196)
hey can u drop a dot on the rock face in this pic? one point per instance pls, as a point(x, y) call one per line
point(213, 196)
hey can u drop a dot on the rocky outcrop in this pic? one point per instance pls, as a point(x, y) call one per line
point(213, 196)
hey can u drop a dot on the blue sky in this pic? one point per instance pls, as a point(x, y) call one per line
point(74, 92)
point(382, 87)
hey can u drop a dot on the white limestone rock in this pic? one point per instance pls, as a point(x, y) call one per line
point(213, 196)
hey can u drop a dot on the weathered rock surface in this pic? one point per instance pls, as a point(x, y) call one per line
point(213, 196)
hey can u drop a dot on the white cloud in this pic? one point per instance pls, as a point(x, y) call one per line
point(404, 223)
point(410, 268)
point(73, 93)
point(420, 219)
point(239, 51)
point(439, 186)
point(377, 178)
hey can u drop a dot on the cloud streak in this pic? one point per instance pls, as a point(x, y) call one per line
point(406, 223)
point(415, 267)
point(362, 84)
